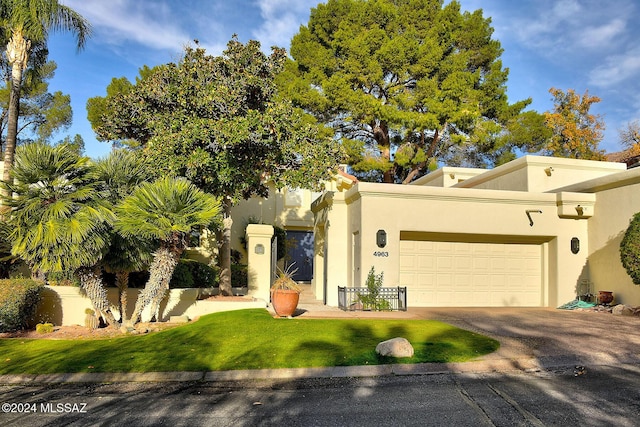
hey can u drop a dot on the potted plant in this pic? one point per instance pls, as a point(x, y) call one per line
point(285, 293)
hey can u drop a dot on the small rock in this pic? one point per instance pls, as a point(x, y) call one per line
point(622, 310)
point(396, 347)
point(579, 370)
point(179, 319)
point(126, 329)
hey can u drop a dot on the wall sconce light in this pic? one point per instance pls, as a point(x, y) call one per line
point(548, 170)
point(259, 249)
point(575, 245)
point(580, 210)
point(381, 238)
point(529, 212)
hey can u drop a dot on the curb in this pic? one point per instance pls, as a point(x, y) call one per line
point(478, 367)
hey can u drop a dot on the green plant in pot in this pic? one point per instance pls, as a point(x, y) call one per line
point(285, 293)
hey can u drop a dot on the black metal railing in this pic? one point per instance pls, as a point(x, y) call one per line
point(360, 299)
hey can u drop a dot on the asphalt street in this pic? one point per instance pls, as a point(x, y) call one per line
point(593, 396)
point(553, 368)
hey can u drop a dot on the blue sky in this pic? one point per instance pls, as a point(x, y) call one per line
point(568, 44)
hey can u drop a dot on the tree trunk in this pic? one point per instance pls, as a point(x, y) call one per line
point(430, 153)
point(224, 249)
point(122, 282)
point(91, 283)
point(17, 54)
point(381, 135)
point(160, 272)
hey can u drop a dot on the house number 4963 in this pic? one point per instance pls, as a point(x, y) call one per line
point(380, 253)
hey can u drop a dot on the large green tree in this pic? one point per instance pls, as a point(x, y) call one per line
point(220, 122)
point(405, 84)
point(41, 113)
point(27, 24)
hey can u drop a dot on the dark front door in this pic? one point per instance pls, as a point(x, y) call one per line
point(300, 254)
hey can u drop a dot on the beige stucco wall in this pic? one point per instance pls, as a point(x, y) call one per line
point(541, 174)
point(618, 199)
point(65, 305)
point(487, 215)
point(286, 208)
point(447, 176)
point(331, 266)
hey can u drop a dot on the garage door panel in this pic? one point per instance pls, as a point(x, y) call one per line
point(408, 262)
point(461, 274)
point(426, 262)
point(481, 263)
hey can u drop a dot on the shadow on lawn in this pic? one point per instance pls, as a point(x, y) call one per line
point(449, 345)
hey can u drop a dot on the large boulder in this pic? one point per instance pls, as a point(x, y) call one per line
point(395, 347)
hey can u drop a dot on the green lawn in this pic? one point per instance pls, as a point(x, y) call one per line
point(245, 339)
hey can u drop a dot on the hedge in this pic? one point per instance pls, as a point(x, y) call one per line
point(193, 274)
point(18, 301)
point(630, 249)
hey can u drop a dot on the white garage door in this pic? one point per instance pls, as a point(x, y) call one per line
point(461, 274)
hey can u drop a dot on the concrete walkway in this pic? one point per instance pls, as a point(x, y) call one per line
point(530, 339)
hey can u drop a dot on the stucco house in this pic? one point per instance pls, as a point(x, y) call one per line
point(289, 209)
point(535, 232)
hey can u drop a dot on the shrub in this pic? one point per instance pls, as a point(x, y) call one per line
point(239, 276)
point(182, 277)
point(44, 328)
point(18, 301)
point(190, 273)
point(62, 278)
point(630, 249)
point(204, 276)
point(370, 300)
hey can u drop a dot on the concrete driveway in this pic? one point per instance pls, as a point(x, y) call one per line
point(531, 338)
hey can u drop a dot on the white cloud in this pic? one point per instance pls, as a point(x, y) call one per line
point(601, 36)
point(570, 27)
point(151, 24)
point(281, 20)
point(616, 69)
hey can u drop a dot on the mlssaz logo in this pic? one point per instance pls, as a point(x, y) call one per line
point(80, 408)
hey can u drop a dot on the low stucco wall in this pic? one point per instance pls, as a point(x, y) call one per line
point(65, 305)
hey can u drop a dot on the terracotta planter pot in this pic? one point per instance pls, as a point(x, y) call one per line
point(605, 297)
point(285, 301)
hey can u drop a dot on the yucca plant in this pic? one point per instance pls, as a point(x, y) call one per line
point(285, 292)
point(284, 279)
point(59, 218)
point(164, 211)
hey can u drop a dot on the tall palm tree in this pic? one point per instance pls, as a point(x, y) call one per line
point(59, 218)
point(27, 24)
point(120, 173)
point(166, 211)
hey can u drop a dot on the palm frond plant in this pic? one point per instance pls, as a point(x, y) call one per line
point(164, 211)
point(59, 217)
point(27, 25)
point(120, 173)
